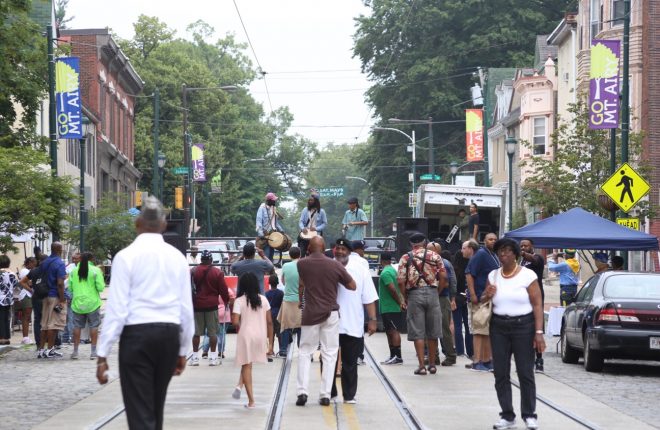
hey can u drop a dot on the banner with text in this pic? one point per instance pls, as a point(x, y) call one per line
point(199, 171)
point(474, 134)
point(67, 97)
point(604, 84)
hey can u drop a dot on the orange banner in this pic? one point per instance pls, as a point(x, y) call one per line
point(474, 134)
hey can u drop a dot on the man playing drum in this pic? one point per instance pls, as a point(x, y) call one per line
point(268, 221)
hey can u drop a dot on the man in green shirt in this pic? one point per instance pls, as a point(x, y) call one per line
point(391, 304)
point(86, 284)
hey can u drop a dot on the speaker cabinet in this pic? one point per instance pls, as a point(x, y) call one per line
point(406, 227)
point(174, 235)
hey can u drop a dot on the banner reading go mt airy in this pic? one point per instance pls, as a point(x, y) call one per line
point(67, 97)
point(604, 84)
point(474, 134)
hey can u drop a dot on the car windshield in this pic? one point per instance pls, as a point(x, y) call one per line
point(372, 243)
point(633, 286)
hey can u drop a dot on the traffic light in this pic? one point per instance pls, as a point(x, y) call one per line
point(178, 197)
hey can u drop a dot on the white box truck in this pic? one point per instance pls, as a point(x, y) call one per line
point(440, 205)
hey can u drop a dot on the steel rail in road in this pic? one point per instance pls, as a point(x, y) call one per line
point(552, 405)
point(406, 413)
point(277, 405)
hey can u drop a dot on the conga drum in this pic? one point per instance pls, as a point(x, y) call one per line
point(287, 243)
point(277, 240)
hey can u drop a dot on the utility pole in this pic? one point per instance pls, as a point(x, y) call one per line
point(209, 227)
point(155, 173)
point(431, 150)
point(483, 77)
point(186, 162)
point(625, 102)
point(83, 219)
point(52, 106)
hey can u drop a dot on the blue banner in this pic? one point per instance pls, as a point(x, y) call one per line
point(67, 96)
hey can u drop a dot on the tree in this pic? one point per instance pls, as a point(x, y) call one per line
point(31, 196)
point(421, 57)
point(581, 164)
point(61, 20)
point(22, 74)
point(110, 229)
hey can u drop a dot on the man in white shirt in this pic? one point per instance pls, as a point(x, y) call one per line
point(193, 257)
point(351, 324)
point(149, 309)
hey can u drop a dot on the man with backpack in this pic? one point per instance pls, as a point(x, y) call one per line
point(208, 283)
point(421, 272)
point(54, 308)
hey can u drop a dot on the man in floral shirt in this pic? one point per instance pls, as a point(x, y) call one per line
point(421, 272)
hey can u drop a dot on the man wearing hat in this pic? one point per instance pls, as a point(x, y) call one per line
point(568, 275)
point(209, 284)
point(354, 224)
point(600, 259)
point(420, 273)
point(268, 220)
point(312, 222)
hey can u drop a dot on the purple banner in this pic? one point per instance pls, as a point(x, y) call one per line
point(198, 168)
point(604, 84)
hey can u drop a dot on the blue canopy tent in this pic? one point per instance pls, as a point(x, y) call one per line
point(580, 229)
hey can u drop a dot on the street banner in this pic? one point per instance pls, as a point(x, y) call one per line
point(199, 171)
point(474, 134)
point(604, 84)
point(216, 183)
point(67, 97)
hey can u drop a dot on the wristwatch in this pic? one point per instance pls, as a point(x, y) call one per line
point(539, 331)
point(373, 319)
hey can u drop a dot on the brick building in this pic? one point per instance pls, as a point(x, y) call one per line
point(109, 84)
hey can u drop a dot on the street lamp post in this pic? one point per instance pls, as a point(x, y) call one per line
point(428, 121)
point(161, 164)
point(510, 144)
point(414, 157)
point(187, 146)
point(453, 168)
point(372, 200)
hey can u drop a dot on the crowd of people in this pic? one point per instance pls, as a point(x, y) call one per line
point(483, 302)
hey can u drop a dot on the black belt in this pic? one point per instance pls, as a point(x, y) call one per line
point(513, 318)
point(422, 286)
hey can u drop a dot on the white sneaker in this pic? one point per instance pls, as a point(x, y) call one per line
point(213, 362)
point(194, 361)
point(531, 423)
point(504, 424)
point(26, 341)
point(350, 402)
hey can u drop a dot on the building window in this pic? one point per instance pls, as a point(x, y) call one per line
point(102, 105)
point(617, 12)
point(596, 18)
point(539, 136)
point(112, 121)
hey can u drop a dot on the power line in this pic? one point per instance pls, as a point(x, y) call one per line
point(256, 59)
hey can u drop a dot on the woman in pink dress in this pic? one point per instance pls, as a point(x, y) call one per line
point(251, 317)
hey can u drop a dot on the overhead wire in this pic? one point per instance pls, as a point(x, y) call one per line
point(256, 59)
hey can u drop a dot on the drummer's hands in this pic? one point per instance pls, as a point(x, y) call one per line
point(313, 228)
point(304, 230)
point(260, 252)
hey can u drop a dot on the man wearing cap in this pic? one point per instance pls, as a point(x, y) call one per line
point(247, 263)
point(421, 271)
point(312, 222)
point(351, 323)
point(358, 253)
point(319, 279)
point(268, 220)
point(390, 302)
point(354, 224)
point(209, 285)
point(568, 275)
point(600, 259)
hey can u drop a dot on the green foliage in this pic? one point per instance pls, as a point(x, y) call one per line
point(110, 228)
point(581, 164)
point(22, 74)
point(231, 124)
point(421, 57)
point(61, 20)
point(31, 196)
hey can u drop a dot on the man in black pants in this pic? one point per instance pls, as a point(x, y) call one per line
point(535, 263)
point(150, 310)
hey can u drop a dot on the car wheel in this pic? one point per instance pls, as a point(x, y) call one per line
point(593, 360)
point(568, 353)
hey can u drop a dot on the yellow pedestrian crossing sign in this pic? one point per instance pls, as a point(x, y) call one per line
point(626, 187)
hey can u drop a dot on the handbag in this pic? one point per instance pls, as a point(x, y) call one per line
point(481, 315)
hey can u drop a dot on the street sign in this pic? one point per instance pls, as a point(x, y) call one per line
point(331, 192)
point(632, 223)
point(429, 177)
point(412, 200)
point(626, 187)
point(180, 171)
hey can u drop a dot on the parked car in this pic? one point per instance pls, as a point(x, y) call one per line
point(615, 315)
point(375, 247)
point(219, 249)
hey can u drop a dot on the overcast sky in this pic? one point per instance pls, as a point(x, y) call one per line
point(305, 46)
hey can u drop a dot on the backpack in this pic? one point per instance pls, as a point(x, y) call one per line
point(193, 286)
point(41, 288)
